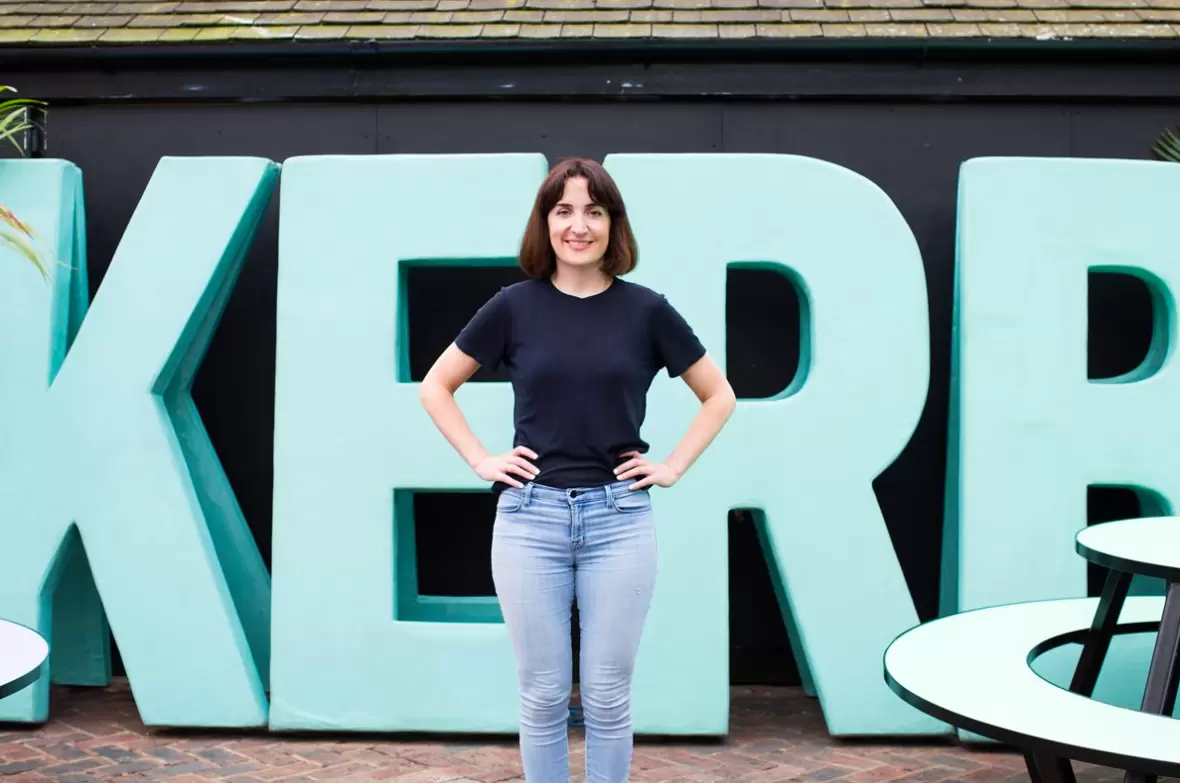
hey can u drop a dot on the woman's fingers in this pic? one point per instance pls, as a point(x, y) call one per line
point(521, 462)
point(520, 470)
point(628, 465)
point(524, 451)
point(646, 481)
point(504, 477)
point(639, 469)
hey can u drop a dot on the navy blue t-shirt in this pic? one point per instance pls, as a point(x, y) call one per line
point(580, 370)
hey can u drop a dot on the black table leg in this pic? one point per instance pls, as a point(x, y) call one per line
point(1114, 594)
point(1048, 769)
point(1159, 696)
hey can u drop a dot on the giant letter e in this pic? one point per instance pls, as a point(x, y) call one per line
point(101, 447)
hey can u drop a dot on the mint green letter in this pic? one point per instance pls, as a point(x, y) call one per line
point(353, 648)
point(806, 460)
point(1029, 431)
point(103, 450)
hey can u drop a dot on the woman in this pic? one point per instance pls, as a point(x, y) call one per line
point(573, 515)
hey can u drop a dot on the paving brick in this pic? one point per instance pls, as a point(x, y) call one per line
point(776, 734)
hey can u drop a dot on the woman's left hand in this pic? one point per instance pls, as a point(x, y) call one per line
point(656, 473)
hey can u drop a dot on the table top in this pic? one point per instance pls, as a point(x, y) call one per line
point(22, 654)
point(971, 670)
point(1148, 546)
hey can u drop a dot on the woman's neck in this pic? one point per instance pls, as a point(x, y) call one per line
point(581, 283)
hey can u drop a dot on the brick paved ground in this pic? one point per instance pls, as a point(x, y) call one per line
point(777, 735)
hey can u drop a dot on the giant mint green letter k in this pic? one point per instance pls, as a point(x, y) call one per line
point(102, 450)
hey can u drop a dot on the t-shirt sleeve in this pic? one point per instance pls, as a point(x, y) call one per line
point(485, 337)
point(676, 344)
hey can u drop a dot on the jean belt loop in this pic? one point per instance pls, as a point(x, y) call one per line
point(610, 495)
point(528, 493)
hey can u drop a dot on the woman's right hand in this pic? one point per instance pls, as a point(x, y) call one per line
point(499, 467)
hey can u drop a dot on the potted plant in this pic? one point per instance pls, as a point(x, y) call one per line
point(14, 123)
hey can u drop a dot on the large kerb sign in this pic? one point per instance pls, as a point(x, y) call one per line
point(115, 514)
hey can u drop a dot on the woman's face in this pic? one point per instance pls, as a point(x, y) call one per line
point(579, 229)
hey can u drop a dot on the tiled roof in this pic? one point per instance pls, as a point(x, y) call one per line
point(47, 23)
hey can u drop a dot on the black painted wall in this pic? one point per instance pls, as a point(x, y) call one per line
point(910, 149)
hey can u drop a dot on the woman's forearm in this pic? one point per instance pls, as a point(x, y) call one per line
point(711, 417)
point(444, 411)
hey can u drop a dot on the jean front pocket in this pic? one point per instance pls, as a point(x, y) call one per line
point(510, 501)
point(631, 501)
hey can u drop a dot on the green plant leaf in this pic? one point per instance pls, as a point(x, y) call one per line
point(13, 121)
point(22, 246)
point(1167, 147)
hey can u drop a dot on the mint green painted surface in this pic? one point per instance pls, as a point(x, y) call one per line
point(805, 460)
point(1028, 431)
point(354, 646)
point(974, 664)
point(80, 634)
point(102, 448)
point(1032, 432)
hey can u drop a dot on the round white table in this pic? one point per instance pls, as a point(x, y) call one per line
point(1149, 546)
point(23, 656)
point(972, 670)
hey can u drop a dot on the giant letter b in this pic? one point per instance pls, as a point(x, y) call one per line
point(1029, 430)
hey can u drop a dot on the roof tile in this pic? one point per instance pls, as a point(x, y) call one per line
point(368, 31)
point(103, 21)
point(622, 30)
point(47, 23)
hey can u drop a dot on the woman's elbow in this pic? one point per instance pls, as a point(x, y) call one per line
point(430, 390)
point(724, 399)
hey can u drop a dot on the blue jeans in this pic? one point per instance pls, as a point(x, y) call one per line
point(550, 547)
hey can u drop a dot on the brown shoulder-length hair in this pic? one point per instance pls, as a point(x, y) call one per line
point(537, 258)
